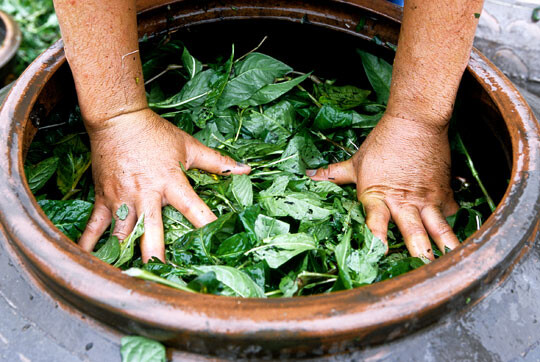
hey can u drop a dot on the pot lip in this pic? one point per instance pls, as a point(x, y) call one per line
point(353, 312)
point(12, 41)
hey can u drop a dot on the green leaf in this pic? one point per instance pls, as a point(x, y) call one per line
point(288, 285)
point(253, 73)
point(146, 275)
point(277, 188)
point(373, 248)
point(301, 153)
point(248, 217)
point(279, 249)
point(122, 212)
point(275, 125)
point(239, 282)
point(110, 251)
point(242, 189)
point(210, 136)
point(175, 225)
point(397, 264)
point(128, 244)
point(299, 205)
point(272, 92)
point(258, 273)
point(250, 149)
point(201, 178)
point(362, 271)
point(232, 248)
point(192, 65)
point(192, 94)
point(70, 216)
point(39, 174)
point(324, 188)
point(379, 74)
point(343, 252)
point(345, 97)
point(465, 222)
point(70, 169)
point(200, 240)
point(208, 283)
point(142, 349)
point(330, 117)
point(266, 227)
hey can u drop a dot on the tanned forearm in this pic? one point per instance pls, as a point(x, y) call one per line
point(434, 46)
point(101, 45)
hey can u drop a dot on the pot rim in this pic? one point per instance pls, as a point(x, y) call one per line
point(397, 303)
point(12, 41)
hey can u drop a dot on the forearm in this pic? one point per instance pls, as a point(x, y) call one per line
point(101, 45)
point(433, 50)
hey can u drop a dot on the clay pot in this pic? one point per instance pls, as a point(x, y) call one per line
point(10, 40)
point(314, 325)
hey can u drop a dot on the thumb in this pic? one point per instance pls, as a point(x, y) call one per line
point(212, 161)
point(339, 173)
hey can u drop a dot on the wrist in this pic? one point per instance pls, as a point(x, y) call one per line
point(124, 120)
point(420, 108)
point(411, 128)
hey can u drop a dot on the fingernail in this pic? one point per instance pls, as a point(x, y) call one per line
point(311, 172)
point(240, 164)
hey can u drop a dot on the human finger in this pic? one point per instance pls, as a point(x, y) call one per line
point(377, 217)
point(185, 199)
point(450, 208)
point(97, 224)
point(438, 228)
point(339, 173)
point(212, 161)
point(410, 224)
point(152, 243)
point(122, 228)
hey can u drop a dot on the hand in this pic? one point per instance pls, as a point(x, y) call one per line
point(402, 172)
point(135, 161)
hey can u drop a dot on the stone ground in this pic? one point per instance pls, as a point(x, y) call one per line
point(511, 39)
point(502, 327)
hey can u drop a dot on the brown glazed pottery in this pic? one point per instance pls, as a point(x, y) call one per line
point(306, 326)
point(10, 40)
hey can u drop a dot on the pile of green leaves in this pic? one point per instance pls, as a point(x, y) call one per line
point(278, 233)
point(39, 27)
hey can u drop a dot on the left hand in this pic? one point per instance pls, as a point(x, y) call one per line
point(402, 173)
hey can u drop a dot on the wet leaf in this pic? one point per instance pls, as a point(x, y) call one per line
point(38, 175)
point(142, 349)
point(279, 249)
point(236, 280)
point(128, 244)
point(70, 216)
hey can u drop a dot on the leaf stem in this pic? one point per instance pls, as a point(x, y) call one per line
point(273, 292)
point(253, 50)
point(310, 96)
point(315, 275)
point(474, 172)
point(239, 124)
point(273, 162)
point(343, 148)
point(313, 78)
point(169, 67)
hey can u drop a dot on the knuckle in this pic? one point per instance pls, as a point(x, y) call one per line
point(91, 227)
point(152, 216)
point(443, 229)
point(121, 234)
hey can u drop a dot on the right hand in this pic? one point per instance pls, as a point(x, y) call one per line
point(136, 161)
